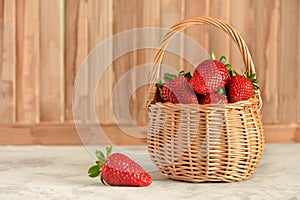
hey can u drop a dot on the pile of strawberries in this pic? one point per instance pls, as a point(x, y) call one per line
point(213, 82)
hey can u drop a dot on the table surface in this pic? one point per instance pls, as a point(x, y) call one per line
point(56, 172)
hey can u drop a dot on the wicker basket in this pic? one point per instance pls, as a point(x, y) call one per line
point(198, 143)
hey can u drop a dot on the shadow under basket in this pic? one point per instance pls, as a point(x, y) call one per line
point(199, 143)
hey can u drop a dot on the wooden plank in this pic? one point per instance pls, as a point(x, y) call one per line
point(28, 61)
point(244, 24)
point(125, 18)
point(76, 47)
point(194, 8)
point(8, 58)
point(63, 134)
point(287, 66)
point(265, 55)
point(51, 60)
point(297, 134)
point(3, 91)
point(171, 12)
point(54, 134)
point(219, 42)
point(100, 28)
point(1, 32)
point(20, 6)
point(298, 121)
point(148, 12)
point(66, 134)
point(281, 133)
point(15, 135)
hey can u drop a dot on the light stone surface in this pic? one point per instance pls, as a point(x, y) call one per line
point(39, 172)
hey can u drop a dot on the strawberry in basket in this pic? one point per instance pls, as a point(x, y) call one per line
point(177, 89)
point(210, 76)
point(242, 87)
point(210, 79)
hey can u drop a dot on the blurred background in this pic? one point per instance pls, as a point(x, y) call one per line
point(44, 42)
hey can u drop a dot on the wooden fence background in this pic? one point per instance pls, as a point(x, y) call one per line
point(43, 43)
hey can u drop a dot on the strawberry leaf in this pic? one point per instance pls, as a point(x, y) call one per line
point(108, 151)
point(100, 163)
point(213, 56)
point(168, 77)
point(160, 85)
point(229, 67)
point(94, 171)
point(100, 156)
point(223, 60)
point(251, 77)
point(222, 91)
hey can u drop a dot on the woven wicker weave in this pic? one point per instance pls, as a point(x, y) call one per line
point(198, 143)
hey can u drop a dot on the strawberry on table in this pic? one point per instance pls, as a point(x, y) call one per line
point(119, 170)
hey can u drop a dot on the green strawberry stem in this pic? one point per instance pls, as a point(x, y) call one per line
point(95, 170)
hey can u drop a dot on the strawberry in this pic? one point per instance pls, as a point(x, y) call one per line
point(119, 170)
point(178, 90)
point(209, 76)
point(214, 98)
point(241, 88)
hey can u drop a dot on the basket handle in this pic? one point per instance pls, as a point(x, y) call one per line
point(182, 25)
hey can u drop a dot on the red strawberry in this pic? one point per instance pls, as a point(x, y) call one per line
point(240, 88)
point(214, 98)
point(178, 90)
point(119, 170)
point(209, 77)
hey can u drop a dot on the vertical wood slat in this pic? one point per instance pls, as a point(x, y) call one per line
point(100, 28)
point(51, 61)
point(245, 25)
point(4, 107)
point(149, 16)
point(125, 18)
point(219, 42)
point(298, 120)
point(172, 11)
point(76, 47)
point(8, 62)
point(287, 65)
point(265, 55)
point(195, 8)
point(27, 61)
